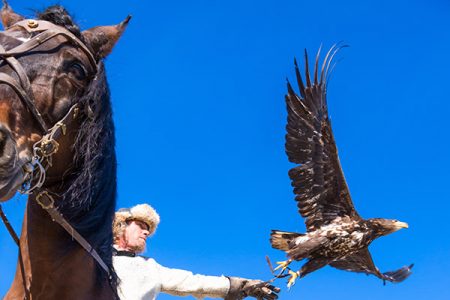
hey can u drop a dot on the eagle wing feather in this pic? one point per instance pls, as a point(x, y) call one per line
point(361, 262)
point(319, 183)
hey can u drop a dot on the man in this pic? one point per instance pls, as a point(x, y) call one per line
point(143, 278)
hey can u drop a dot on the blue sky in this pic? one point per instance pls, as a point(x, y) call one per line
point(198, 94)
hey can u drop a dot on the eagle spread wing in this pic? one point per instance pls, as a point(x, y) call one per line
point(319, 184)
point(361, 262)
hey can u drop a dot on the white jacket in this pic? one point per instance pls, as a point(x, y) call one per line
point(143, 278)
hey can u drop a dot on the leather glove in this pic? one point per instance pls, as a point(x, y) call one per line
point(241, 288)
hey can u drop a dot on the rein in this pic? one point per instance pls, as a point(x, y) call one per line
point(44, 149)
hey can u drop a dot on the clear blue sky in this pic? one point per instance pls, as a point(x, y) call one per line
point(198, 93)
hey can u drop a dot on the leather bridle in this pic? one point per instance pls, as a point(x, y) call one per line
point(45, 148)
point(45, 31)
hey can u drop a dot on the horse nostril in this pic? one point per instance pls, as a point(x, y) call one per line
point(7, 145)
point(3, 140)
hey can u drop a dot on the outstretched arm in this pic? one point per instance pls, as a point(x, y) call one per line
point(182, 283)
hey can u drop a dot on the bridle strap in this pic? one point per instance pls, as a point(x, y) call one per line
point(9, 226)
point(23, 77)
point(48, 31)
point(24, 96)
point(25, 85)
point(48, 145)
point(46, 201)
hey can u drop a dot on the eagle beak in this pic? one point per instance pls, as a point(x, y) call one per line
point(400, 225)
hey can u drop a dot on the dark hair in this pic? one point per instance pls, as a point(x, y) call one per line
point(58, 15)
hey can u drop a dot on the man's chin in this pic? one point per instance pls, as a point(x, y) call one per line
point(138, 248)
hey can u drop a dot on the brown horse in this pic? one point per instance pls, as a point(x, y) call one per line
point(41, 80)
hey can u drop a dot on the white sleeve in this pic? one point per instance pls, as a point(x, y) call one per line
point(182, 283)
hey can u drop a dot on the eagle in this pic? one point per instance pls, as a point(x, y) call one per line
point(336, 234)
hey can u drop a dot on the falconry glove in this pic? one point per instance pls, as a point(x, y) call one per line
point(241, 288)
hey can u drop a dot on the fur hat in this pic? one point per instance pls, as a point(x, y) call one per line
point(141, 212)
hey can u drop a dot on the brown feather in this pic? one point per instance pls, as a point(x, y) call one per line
point(318, 181)
point(280, 239)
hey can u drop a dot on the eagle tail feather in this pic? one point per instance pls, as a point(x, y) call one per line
point(281, 239)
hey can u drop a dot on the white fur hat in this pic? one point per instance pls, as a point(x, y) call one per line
point(141, 212)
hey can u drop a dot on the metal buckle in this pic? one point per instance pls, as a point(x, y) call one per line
point(45, 200)
point(49, 147)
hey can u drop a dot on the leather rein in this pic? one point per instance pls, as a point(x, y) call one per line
point(44, 149)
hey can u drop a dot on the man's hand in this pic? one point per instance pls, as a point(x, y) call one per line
point(241, 288)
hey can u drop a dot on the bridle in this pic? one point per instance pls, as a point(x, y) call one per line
point(44, 149)
point(46, 31)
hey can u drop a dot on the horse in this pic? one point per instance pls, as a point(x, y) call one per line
point(57, 144)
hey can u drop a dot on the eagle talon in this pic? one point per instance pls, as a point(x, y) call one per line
point(283, 265)
point(294, 276)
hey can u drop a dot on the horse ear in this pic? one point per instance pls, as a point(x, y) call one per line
point(102, 39)
point(9, 17)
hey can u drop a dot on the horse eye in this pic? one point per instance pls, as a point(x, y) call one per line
point(78, 71)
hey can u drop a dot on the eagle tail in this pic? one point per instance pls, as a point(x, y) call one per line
point(281, 239)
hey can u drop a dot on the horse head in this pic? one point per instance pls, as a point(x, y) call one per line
point(46, 67)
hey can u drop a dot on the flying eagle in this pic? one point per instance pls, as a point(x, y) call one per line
point(336, 235)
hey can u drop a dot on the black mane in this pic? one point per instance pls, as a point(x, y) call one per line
point(90, 199)
point(58, 15)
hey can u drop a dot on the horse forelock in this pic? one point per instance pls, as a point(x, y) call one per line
point(58, 15)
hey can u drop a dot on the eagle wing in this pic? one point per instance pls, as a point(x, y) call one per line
point(361, 262)
point(318, 180)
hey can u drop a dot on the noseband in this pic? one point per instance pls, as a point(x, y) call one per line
point(44, 149)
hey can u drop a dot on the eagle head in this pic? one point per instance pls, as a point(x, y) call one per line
point(386, 226)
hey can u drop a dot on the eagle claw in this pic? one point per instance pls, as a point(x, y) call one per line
point(283, 265)
point(294, 276)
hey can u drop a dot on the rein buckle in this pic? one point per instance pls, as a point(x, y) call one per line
point(45, 200)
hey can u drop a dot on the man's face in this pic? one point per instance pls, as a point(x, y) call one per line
point(135, 236)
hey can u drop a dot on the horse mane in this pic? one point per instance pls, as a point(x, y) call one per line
point(58, 15)
point(89, 199)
